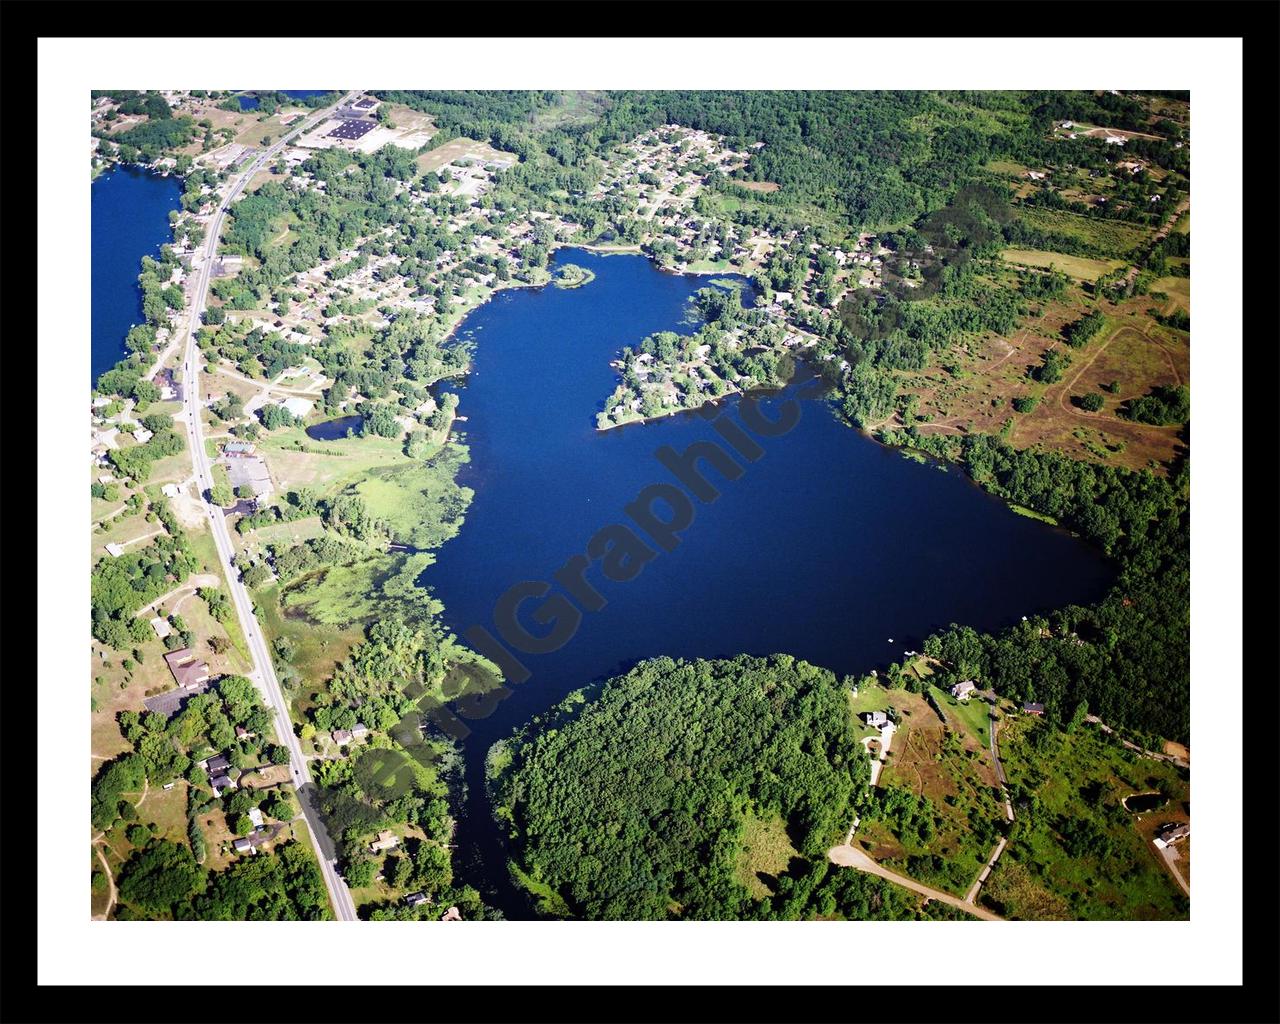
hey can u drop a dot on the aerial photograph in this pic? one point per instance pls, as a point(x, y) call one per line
point(639, 505)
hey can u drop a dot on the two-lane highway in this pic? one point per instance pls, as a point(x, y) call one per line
point(263, 674)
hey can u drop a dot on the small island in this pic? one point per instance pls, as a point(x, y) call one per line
point(573, 276)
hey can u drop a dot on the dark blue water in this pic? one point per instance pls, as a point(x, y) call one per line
point(331, 430)
point(130, 211)
point(826, 548)
point(252, 102)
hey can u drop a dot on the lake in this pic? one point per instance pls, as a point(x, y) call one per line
point(829, 547)
point(130, 219)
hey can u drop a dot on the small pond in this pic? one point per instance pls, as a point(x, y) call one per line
point(1140, 802)
point(333, 430)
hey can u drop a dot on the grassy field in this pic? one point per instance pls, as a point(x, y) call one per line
point(972, 715)
point(765, 854)
point(1108, 238)
point(339, 595)
point(1179, 291)
point(1074, 850)
point(420, 499)
point(1078, 267)
point(318, 649)
point(326, 466)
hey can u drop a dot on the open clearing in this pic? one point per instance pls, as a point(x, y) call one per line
point(1111, 238)
point(1078, 267)
point(459, 149)
point(766, 852)
point(1075, 841)
point(1138, 360)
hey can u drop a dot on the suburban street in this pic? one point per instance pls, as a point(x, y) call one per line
point(263, 673)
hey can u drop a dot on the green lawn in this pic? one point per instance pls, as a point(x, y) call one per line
point(974, 714)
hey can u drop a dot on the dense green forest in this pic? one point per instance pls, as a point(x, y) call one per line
point(162, 881)
point(634, 803)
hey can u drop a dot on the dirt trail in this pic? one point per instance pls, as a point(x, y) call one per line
point(852, 857)
point(111, 883)
point(193, 583)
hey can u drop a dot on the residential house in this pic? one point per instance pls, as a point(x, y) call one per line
point(1172, 832)
point(259, 837)
point(161, 626)
point(342, 736)
point(387, 840)
point(255, 816)
point(189, 672)
point(359, 731)
point(875, 719)
point(962, 691)
point(451, 915)
point(1030, 708)
point(416, 899)
point(216, 765)
point(221, 784)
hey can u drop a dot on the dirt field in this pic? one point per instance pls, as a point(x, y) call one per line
point(459, 148)
point(1139, 357)
point(977, 393)
point(759, 186)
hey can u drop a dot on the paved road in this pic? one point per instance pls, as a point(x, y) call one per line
point(263, 674)
point(852, 857)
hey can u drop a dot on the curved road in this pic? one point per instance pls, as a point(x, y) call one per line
point(263, 674)
point(852, 857)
